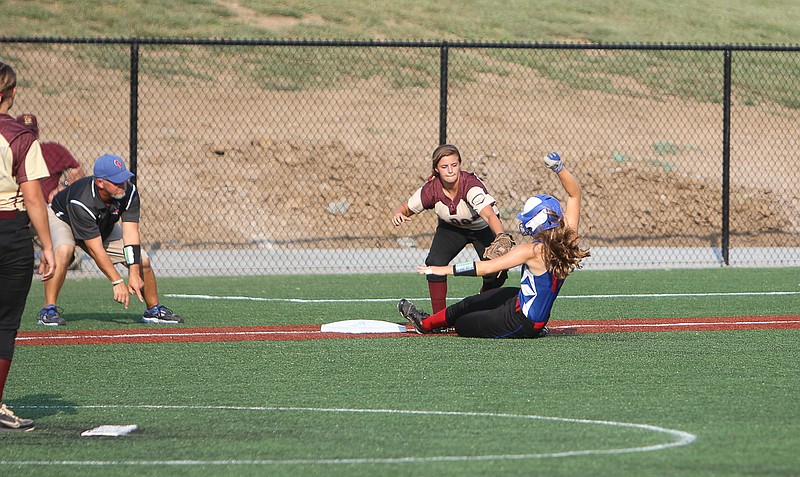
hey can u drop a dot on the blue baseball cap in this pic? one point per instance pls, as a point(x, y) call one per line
point(111, 168)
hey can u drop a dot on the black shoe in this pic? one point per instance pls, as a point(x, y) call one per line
point(162, 314)
point(413, 314)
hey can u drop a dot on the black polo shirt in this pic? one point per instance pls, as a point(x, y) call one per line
point(81, 207)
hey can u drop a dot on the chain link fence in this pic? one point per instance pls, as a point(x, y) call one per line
point(289, 156)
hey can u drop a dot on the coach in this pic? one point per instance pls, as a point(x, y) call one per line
point(86, 214)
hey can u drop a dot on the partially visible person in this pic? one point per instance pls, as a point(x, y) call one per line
point(21, 204)
point(86, 214)
point(512, 312)
point(467, 214)
point(63, 167)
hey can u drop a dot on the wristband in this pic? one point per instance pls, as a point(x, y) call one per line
point(133, 254)
point(464, 269)
point(117, 282)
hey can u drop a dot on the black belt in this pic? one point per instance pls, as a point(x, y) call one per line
point(8, 214)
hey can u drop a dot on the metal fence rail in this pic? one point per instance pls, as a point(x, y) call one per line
point(262, 157)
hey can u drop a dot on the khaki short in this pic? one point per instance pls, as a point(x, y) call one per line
point(61, 234)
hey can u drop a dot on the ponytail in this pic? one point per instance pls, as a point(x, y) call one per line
point(561, 250)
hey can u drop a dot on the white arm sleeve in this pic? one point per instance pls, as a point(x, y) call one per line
point(478, 199)
point(415, 202)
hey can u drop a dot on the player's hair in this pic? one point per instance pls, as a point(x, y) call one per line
point(8, 79)
point(561, 249)
point(443, 151)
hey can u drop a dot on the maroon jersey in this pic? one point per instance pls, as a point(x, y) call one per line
point(463, 210)
point(58, 160)
point(22, 161)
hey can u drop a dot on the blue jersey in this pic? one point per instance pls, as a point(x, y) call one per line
point(537, 294)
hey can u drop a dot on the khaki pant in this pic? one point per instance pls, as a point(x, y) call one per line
point(61, 234)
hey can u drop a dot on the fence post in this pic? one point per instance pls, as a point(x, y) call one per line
point(134, 118)
point(726, 158)
point(443, 66)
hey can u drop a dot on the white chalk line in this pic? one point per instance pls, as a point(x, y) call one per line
point(189, 334)
point(679, 438)
point(394, 300)
point(698, 324)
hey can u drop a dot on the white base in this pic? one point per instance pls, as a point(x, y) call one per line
point(362, 326)
point(110, 431)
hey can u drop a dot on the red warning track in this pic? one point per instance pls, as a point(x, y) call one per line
point(309, 332)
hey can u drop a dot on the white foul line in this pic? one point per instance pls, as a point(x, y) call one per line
point(680, 438)
point(189, 334)
point(689, 324)
point(392, 300)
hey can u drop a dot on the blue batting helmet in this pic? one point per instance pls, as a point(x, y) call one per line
point(541, 212)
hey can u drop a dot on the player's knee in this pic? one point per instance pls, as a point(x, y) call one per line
point(436, 261)
point(64, 253)
point(7, 342)
point(490, 283)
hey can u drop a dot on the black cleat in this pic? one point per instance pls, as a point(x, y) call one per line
point(413, 314)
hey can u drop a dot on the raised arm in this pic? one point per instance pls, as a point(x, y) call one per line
point(572, 210)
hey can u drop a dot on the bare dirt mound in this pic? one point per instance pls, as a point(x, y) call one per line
point(327, 189)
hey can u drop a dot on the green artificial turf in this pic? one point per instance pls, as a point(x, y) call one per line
point(416, 405)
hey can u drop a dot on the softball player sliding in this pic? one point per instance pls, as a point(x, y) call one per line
point(467, 214)
point(516, 312)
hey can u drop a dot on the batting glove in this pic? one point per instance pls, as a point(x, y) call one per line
point(553, 162)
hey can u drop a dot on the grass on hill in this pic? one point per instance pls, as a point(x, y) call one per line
point(678, 21)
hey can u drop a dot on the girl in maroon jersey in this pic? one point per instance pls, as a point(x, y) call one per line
point(21, 205)
point(467, 214)
point(516, 312)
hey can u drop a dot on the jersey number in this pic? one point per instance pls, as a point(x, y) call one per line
point(457, 222)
